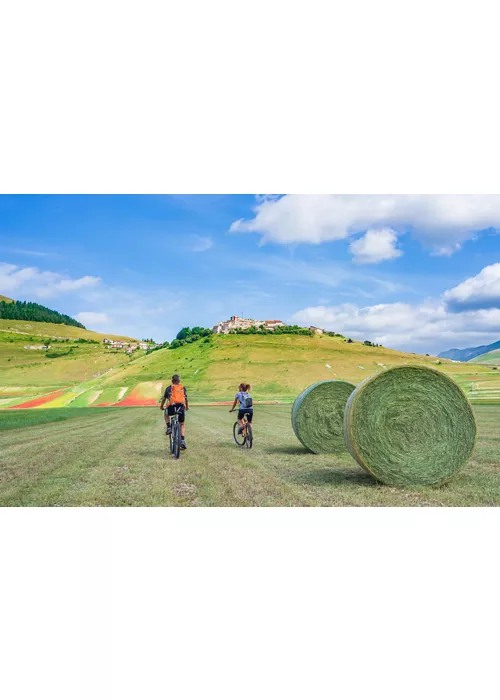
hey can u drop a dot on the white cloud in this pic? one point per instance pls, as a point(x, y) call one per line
point(30, 282)
point(441, 222)
point(426, 327)
point(201, 243)
point(479, 292)
point(92, 318)
point(375, 246)
point(67, 285)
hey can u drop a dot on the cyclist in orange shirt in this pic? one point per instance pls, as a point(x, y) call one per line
point(177, 402)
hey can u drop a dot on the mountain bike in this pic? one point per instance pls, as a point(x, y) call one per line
point(175, 435)
point(245, 439)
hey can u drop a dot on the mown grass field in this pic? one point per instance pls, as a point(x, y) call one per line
point(118, 457)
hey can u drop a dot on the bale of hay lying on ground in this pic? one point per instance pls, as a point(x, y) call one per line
point(410, 426)
point(318, 416)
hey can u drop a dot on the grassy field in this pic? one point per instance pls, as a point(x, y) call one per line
point(118, 457)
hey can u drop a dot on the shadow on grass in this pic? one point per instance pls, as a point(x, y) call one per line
point(318, 477)
point(291, 450)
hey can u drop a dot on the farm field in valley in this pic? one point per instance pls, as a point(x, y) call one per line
point(118, 457)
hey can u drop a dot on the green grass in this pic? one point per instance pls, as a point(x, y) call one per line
point(118, 457)
point(15, 420)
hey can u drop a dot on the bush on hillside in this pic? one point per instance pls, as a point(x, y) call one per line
point(283, 330)
point(193, 334)
point(29, 311)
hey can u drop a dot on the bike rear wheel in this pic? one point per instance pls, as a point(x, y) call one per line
point(176, 440)
point(239, 439)
point(249, 436)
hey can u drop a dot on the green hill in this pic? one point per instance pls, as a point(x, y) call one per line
point(489, 358)
point(69, 360)
point(6, 299)
point(29, 311)
point(278, 367)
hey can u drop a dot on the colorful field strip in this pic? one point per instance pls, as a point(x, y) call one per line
point(60, 401)
point(109, 397)
point(38, 401)
point(144, 394)
point(88, 398)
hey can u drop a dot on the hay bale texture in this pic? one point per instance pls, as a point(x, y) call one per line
point(318, 416)
point(410, 426)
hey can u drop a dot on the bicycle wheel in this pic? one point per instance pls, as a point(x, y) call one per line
point(239, 439)
point(177, 440)
point(249, 437)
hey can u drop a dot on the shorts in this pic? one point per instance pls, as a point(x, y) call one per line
point(248, 412)
point(178, 408)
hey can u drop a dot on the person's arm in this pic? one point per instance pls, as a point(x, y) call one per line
point(165, 397)
point(186, 399)
point(234, 404)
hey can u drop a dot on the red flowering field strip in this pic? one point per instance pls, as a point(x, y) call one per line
point(38, 401)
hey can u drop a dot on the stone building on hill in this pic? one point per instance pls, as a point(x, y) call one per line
point(237, 323)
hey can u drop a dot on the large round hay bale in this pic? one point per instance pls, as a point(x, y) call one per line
point(410, 426)
point(318, 416)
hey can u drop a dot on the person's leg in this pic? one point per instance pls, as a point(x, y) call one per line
point(240, 422)
point(182, 421)
point(167, 421)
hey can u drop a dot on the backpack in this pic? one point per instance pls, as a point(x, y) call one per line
point(246, 400)
point(177, 394)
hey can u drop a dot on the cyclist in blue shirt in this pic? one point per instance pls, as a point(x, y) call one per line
point(246, 405)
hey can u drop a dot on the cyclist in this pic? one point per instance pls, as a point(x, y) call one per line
point(177, 398)
point(246, 405)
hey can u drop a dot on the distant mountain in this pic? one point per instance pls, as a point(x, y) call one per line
point(29, 311)
point(469, 353)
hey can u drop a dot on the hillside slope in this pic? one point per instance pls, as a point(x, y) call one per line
point(67, 361)
point(489, 358)
point(7, 300)
point(278, 367)
point(468, 354)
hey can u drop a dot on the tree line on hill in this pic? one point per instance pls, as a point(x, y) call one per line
point(29, 311)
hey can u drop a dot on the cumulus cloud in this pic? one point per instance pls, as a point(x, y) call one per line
point(32, 282)
point(426, 327)
point(92, 318)
point(479, 292)
point(375, 246)
point(468, 314)
point(441, 222)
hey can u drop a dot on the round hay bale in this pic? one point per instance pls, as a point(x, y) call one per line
point(410, 426)
point(318, 416)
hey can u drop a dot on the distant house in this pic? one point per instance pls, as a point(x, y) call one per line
point(144, 346)
point(37, 347)
point(318, 331)
point(107, 341)
point(271, 325)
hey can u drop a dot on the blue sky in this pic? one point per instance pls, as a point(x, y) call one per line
point(414, 272)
